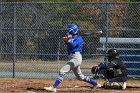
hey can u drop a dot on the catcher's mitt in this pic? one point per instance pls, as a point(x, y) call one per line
point(94, 69)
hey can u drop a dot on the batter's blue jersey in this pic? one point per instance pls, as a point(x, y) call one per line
point(75, 45)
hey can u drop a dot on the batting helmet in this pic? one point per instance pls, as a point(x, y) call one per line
point(72, 29)
point(112, 53)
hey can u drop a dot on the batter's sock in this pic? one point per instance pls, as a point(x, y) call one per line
point(59, 79)
point(89, 80)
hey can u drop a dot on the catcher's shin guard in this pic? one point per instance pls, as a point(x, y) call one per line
point(114, 85)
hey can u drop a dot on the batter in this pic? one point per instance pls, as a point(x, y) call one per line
point(74, 43)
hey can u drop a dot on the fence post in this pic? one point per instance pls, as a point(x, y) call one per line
point(14, 28)
point(107, 30)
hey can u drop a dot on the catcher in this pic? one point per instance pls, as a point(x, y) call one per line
point(114, 70)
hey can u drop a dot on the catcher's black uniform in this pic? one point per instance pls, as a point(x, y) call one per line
point(114, 69)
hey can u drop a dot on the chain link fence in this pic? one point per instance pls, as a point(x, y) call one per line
point(31, 34)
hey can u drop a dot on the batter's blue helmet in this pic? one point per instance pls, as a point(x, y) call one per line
point(72, 29)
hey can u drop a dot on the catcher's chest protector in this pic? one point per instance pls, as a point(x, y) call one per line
point(112, 72)
point(109, 73)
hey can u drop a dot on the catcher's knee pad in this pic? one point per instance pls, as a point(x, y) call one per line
point(107, 84)
point(114, 85)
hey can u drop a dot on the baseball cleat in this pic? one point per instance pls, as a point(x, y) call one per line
point(124, 85)
point(50, 89)
point(97, 86)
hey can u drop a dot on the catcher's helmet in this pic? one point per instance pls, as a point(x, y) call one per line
point(112, 53)
point(72, 29)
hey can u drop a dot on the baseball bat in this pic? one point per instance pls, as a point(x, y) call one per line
point(91, 33)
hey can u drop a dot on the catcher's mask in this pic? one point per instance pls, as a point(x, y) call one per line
point(72, 29)
point(112, 53)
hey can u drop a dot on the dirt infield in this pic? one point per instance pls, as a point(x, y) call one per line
point(67, 86)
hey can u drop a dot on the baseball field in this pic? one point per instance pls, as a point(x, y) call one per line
point(16, 85)
point(36, 85)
